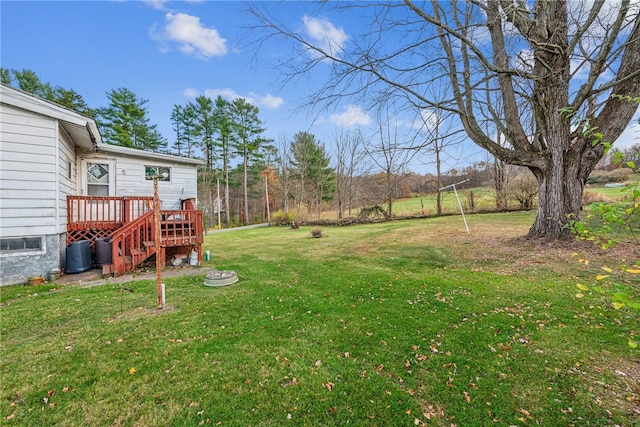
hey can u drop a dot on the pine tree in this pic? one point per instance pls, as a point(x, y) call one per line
point(310, 166)
point(247, 140)
point(124, 122)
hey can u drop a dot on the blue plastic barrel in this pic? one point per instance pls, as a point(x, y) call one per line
point(78, 257)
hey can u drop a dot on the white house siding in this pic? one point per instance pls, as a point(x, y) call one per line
point(67, 176)
point(130, 178)
point(28, 174)
point(28, 194)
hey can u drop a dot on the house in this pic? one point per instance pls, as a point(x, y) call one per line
point(60, 184)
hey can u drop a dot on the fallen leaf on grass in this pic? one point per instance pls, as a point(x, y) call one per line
point(328, 386)
point(132, 370)
point(525, 413)
point(293, 381)
point(466, 396)
point(504, 347)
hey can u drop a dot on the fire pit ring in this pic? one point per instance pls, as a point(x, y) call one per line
point(221, 278)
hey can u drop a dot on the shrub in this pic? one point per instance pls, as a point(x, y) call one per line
point(589, 197)
point(617, 175)
point(281, 217)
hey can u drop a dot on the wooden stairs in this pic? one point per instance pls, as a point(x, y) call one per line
point(129, 224)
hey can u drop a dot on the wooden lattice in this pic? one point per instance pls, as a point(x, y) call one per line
point(90, 234)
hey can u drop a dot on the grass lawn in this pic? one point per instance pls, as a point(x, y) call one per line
point(395, 324)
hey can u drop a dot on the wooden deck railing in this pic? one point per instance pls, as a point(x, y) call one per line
point(133, 243)
point(105, 212)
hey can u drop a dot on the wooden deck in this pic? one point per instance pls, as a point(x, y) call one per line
point(129, 224)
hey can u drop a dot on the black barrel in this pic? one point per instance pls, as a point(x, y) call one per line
point(103, 252)
point(78, 257)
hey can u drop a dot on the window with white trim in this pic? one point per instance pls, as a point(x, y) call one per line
point(162, 172)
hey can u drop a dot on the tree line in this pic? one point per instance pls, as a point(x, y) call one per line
point(246, 177)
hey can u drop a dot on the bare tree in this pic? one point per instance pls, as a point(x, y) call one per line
point(349, 156)
point(283, 166)
point(391, 156)
point(436, 133)
point(541, 58)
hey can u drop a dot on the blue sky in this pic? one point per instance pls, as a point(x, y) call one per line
point(169, 52)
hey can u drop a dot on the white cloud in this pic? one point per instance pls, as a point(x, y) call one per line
point(228, 94)
point(156, 4)
point(267, 101)
point(194, 38)
point(191, 93)
point(352, 116)
point(525, 60)
point(325, 35)
point(429, 120)
point(631, 134)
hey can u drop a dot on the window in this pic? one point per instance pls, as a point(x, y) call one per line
point(164, 173)
point(97, 179)
point(21, 244)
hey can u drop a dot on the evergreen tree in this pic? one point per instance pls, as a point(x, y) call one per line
point(310, 166)
point(73, 100)
point(247, 141)
point(124, 122)
point(28, 81)
point(204, 127)
point(178, 124)
point(5, 76)
point(224, 127)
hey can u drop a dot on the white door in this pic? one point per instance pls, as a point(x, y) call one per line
point(99, 177)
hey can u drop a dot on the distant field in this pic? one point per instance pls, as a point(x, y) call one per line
point(483, 200)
